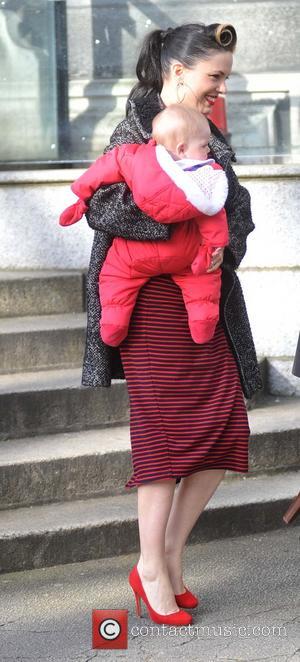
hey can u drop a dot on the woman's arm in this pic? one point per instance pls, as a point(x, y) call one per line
point(112, 208)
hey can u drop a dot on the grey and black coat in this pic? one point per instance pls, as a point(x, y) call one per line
point(112, 212)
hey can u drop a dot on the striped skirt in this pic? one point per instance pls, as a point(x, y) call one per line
point(187, 410)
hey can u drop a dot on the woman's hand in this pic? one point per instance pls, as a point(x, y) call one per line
point(217, 259)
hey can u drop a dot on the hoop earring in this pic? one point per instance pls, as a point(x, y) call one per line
point(180, 84)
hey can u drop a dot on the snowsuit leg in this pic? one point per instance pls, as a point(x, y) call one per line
point(201, 295)
point(119, 285)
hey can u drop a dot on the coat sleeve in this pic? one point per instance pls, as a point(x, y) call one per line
point(112, 208)
point(239, 218)
point(105, 170)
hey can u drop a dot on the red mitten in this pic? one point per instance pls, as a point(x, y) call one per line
point(73, 213)
point(202, 260)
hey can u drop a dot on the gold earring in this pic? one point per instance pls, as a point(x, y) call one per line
point(180, 84)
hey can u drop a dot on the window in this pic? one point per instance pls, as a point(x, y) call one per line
point(67, 68)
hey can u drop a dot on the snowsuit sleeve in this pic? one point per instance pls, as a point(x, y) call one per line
point(154, 191)
point(105, 170)
point(112, 208)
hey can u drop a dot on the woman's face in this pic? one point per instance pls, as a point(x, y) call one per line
point(205, 81)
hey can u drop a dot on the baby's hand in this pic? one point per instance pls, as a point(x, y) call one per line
point(73, 213)
point(216, 260)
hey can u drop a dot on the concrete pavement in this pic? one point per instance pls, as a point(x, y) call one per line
point(249, 588)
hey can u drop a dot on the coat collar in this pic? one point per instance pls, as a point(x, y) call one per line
point(143, 110)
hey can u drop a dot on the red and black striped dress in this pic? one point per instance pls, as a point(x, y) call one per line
point(187, 410)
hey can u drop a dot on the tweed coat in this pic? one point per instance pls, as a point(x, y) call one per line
point(112, 212)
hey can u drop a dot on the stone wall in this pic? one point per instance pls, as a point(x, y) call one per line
point(270, 271)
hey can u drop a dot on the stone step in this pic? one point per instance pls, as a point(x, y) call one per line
point(69, 532)
point(41, 292)
point(50, 401)
point(91, 463)
point(61, 467)
point(43, 342)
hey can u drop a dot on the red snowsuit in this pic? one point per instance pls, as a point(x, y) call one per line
point(169, 195)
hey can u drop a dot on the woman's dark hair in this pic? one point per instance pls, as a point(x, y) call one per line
point(187, 43)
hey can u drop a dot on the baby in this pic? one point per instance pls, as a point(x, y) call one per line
point(173, 181)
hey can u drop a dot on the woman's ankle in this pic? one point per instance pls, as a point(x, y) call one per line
point(173, 555)
point(174, 565)
point(151, 569)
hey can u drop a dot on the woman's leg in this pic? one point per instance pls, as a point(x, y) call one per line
point(154, 506)
point(190, 499)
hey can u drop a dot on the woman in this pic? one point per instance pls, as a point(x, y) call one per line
point(188, 417)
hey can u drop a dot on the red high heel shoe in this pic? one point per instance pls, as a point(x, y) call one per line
point(293, 509)
point(175, 618)
point(186, 599)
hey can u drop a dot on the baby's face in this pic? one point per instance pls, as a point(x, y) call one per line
point(197, 148)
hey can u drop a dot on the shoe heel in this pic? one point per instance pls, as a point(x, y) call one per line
point(178, 617)
point(137, 604)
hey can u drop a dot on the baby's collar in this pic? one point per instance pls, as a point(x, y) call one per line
point(193, 164)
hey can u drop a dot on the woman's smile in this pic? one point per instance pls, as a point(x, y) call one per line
point(211, 99)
